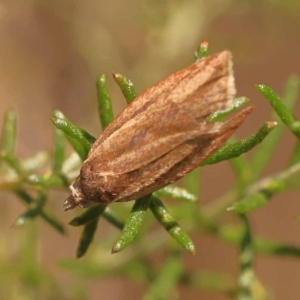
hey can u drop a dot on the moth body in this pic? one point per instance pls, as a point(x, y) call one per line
point(161, 136)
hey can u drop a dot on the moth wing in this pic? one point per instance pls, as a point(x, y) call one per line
point(176, 116)
point(138, 143)
point(196, 75)
point(174, 165)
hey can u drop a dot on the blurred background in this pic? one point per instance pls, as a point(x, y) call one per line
point(50, 55)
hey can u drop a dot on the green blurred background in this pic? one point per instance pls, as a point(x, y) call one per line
point(50, 55)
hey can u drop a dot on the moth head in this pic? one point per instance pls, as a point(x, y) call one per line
point(77, 198)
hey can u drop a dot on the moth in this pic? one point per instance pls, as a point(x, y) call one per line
point(161, 136)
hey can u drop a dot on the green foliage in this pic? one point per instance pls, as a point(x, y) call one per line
point(106, 114)
point(281, 109)
point(202, 50)
point(218, 115)
point(132, 225)
point(90, 214)
point(24, 179)
point(126, 87)
point(234, 150)
point(75, 132)
point(168, 222)
point(87, 237)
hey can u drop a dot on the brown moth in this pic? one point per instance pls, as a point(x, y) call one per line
point(161, 136)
